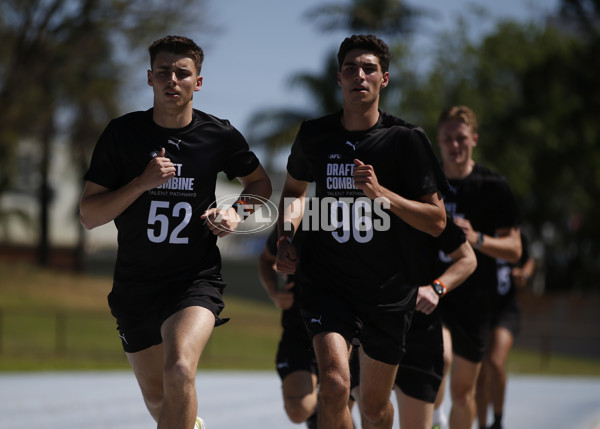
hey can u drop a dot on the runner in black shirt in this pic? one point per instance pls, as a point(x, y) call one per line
point(377, 182)
point(481, 203)
point(154, 174)
point(421, 370)
point(296, 361)
point(506, 323)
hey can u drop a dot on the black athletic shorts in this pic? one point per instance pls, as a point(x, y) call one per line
point(295, 351)
point(141, 309)
point(469, 335)
point(507, 314)
point(421, 370)
point(380, 329)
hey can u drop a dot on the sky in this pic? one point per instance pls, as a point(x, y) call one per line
point(262, 43)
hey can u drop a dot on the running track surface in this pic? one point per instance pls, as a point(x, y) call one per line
point(250, 400)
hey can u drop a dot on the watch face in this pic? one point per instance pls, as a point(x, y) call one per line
point(438, 288)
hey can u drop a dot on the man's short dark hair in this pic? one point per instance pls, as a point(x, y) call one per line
point(369, 43)
point(178, 45)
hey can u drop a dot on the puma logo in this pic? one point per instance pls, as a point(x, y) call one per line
point(313, 320)
point(174, 143)
point(353, 146)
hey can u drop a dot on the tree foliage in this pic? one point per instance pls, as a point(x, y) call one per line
point(62, 64)
point(384, 17)
point(537, 95)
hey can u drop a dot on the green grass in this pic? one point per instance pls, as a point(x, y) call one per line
point(533, 362)
point(57, 320)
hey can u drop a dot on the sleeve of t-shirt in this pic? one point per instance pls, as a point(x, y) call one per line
point(297, 166)
point(240, 161)
point(104, 169)
point(451, 238)
point(421, 167)
point(506, 205)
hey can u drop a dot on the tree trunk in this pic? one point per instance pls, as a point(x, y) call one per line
point(45, 194)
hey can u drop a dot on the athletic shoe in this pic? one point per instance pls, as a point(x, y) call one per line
point(199, 424)
point(440, 420)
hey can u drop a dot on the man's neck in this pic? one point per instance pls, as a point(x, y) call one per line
point(359, 120)
point(172, 118)
point(458, 171)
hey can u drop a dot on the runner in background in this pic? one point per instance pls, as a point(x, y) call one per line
point(483, 206)
point(420, 372)
point(295, 359)
point(506, 323)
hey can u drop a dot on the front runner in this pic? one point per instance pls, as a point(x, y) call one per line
point(354, 273)
point(154, 174)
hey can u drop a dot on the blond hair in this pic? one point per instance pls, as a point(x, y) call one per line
point(460, 114)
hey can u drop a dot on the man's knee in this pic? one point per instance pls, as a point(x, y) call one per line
point(179, 373)
point(154, 402)
point(334, 387)
point(372, 410)
point(298, 410)
point(462, 394)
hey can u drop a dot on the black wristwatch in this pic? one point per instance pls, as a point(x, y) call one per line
point(438, 288)
point(479, 241)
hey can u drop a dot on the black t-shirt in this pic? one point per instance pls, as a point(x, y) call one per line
point(505, 290)
point(430, 268)
point(360, 249)
point(428, 264)
point(485, 199)
point(161, 236)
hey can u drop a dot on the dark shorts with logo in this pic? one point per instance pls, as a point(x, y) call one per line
point(421, 370)
point(380, 329)
point(141, 309)
point(295, 350)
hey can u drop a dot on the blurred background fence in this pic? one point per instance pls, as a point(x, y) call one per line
point(554, 325)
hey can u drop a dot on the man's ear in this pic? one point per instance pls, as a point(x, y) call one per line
point(385, 80)
point(150, 78)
